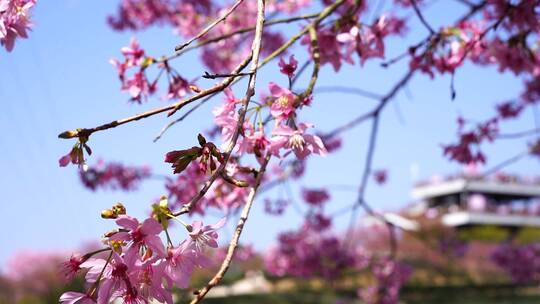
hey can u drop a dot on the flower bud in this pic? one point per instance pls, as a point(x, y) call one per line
point(108, 214)
point(68, 134)
point(119, 209)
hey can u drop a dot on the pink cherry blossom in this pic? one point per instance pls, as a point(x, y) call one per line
point(283, 104)
point(114, 279)
point(367, 41)
point(288, 68)
point(284, 137)
point(315, 197)
point(380, 176)
point(113, 176)
point(14, 21)
point(180, 263)
point(255, 142)
point(329, 47)
point(145, 234)
point(72, 266)
point(72, 297)
point(202, 236)
point(148, 276)
point(289, 6)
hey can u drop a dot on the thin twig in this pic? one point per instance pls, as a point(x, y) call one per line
point(209, 26)
point(237, 32)
point(505, 163)
point(517, 134)
point(300, 72)
point(215, 76)
point(173, 107)
point(421, 17)
point(348, 90)
point(181, 118)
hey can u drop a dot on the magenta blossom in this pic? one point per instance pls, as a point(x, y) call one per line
point(180, 263)
point(254, 143)
point(75, 156)
point(380, 176)
point(72, 266)
point(297, 141)
point(149, 276)
point(283, 104)
point(146, 234)
point(315, 197)
point(115, 282)
point(205, 235)
point(288, 68)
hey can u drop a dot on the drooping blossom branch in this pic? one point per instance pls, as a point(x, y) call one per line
point(233, 244)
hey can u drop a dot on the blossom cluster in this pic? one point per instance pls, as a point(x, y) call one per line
point(305, 254)
point(390, 277)
point(139, 267)
point(14, 21)
point(113, 176)
point(222, 195)
point(521, 262)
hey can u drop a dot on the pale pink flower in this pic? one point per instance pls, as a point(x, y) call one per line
point(255, 142)
point(149, 276)
point(180, 263)
point(14, 21)
point(284, 137)
point(202, 236)
point(289, 6)
point(178, 87)
point(283, 104)
point(114, 279)
point(133, 54)
point(226, 117)
point(72, 297)
point(146, 234)
point(72, 266)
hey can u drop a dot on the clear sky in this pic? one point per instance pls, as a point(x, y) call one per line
point(60, 79)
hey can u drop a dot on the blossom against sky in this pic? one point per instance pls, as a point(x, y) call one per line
point(57, 81)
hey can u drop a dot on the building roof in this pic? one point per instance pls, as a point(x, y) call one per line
point(465, 218)
point(507, 190)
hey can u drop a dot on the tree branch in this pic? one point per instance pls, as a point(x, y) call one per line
point(209, 27)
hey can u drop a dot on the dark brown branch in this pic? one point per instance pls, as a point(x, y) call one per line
point(215, 76)
point(421, 17)
point(173, 107)
point(233, 181)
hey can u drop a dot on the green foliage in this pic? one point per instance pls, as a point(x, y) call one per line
point(484, 233)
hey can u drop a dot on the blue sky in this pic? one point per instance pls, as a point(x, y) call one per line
point(60, 79)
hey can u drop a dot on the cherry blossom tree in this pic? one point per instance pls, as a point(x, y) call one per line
point(257, 142)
